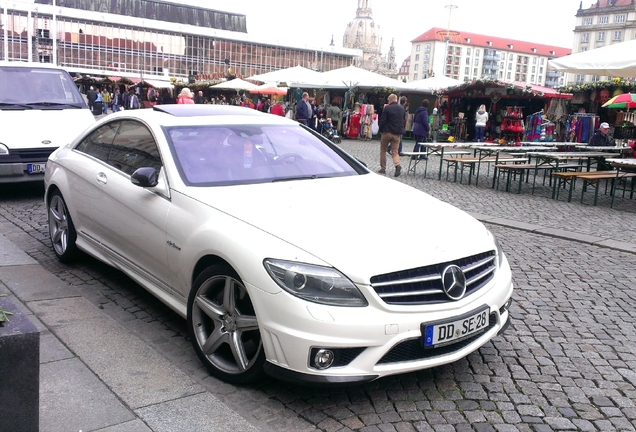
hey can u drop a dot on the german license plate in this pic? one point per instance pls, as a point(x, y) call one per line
point(36, 168)
point(449, 331)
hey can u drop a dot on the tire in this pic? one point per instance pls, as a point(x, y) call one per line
point(223, 326)
point(61, 229)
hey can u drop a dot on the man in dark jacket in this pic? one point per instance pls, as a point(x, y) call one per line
point(600, 139)
point(391, 127)
point(91, 96)
point(421, 126)
point(303, 110)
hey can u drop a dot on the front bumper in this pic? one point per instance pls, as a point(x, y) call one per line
point(18, 172)
point(386, 336)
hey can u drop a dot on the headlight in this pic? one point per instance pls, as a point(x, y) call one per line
point(499, 251)
point(4, 150)
point(317, 284)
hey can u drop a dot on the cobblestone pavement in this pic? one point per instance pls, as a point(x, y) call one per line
point(567, 362)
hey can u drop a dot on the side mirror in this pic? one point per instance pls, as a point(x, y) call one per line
point(145, 177)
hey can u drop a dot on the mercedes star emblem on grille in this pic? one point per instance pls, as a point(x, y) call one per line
point(454, 282)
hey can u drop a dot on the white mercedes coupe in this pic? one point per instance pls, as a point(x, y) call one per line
point(272, 242)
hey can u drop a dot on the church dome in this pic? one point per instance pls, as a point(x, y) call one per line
point(362, 33)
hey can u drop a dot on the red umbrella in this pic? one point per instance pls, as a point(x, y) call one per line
point(269, 89)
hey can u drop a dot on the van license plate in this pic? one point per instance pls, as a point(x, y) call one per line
point(456, 329)
point(36, 168)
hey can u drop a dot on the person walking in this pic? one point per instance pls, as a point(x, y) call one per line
point(91, 96)
point(133, 100)
point(421, 126)
point(116, 100)
point(278, 109)
point(304, 110)
point(481, 118)
point(199, 99)
point(185, 97)
point(391, 127)
point(106, 99)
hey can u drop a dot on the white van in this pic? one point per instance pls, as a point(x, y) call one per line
point(40, 110)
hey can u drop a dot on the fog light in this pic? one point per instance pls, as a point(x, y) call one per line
point(324, 358)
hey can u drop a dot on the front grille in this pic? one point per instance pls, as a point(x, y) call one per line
point(413, 349)
point(27, 155)
point(423, 285)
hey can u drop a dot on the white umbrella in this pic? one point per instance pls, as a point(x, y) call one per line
point(429, 85)
point(235, 84)
point(611, 60)
point(351, 76)
point(291, 76)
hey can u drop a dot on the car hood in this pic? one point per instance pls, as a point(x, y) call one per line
point(355, 223)
point(24, 129)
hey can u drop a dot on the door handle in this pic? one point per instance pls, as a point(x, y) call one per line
point(101, 178)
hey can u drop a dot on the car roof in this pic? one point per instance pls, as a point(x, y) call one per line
point(193, 114)
point(22, 64)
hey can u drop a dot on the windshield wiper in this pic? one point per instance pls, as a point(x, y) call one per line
point(52, 104)
point(311, 177)
point(16, 105)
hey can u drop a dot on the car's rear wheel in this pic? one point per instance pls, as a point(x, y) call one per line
point(223, 326)
point(61, 228)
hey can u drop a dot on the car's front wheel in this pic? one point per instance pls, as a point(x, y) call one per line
point(61, 228)
point(223, 326)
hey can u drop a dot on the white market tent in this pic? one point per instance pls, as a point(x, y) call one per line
point(292, 76)
point(235, 84)
point(611, 60)
point(429, 85)
point(351, 77)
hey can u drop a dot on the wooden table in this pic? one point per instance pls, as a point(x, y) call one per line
point(486, 151)
point(442, 149)
point(626, 165)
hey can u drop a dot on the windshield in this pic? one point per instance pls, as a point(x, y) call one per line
point(33, 86)
point(241, 154)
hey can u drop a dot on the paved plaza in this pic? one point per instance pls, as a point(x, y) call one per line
point(114, 358)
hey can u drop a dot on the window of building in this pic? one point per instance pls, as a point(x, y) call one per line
point(500, 74)
point(540, 79)
point(475, 71)
point(417, 57)
point(534, 60)
point(583, 49)
point(467, 61)
point(618, 35)
point(468, 51)
point(619, 18)
point(542, 60)
point(587, 21)
point(603, 20)
point(417, 47)
point(600, 36)
point(580, 79)
point(532, 78)
point(427, 47)
point(534, 69)
point(466, 71)
point(477, 52)
point(509, 66)
point(416, 67)
point(426, 57)
point(509, 75)
point(476, 62)
point(540, 70)
point(585, 37)
point(595, 78)
point(414, 76)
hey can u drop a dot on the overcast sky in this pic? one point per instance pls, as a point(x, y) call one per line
point(549, 22)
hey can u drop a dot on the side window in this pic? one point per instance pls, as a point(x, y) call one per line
point(134, 147)
point(99, 142)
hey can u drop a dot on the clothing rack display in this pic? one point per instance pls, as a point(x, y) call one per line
point(513, 126)
point(539, 128)
point(580, 127)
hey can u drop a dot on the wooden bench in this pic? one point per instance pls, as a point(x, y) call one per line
point(463, 163)
point(593, 179)
point(521, 169)
point(563, 178)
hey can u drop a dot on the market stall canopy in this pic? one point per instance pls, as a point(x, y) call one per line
point(291, 76)
point(351, 77)
point(158, 83)
point(611, 60)
point(269, 89)
point(496, 90)
point(429, 85)
point(235, 84)
point(624, 101)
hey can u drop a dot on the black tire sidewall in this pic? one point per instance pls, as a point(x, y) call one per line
point(70, 253)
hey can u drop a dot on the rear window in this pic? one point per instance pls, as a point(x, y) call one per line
point(226, 155)
point(37, 88)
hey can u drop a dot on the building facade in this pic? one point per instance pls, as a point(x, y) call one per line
point(605, 22)
point(364, 34)
point(149, 39)
point(468, 56)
